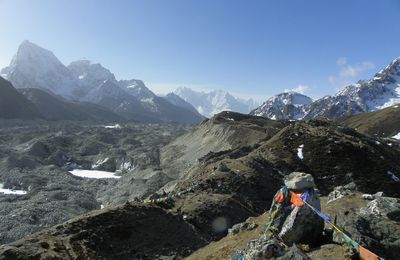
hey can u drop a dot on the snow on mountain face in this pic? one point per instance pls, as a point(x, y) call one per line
point(95, 82)
point(137, 88)
point(35, 67)
point(382, 91)
point(88, 74)
point(288, 106)
point(213, 102)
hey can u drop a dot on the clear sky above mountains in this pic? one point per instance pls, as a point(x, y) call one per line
point(251, 48)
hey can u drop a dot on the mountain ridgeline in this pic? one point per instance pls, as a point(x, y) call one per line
point(74, 86)
point(15, 105)
point(382, 91)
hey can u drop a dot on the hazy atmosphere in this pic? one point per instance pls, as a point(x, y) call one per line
point(249, 48)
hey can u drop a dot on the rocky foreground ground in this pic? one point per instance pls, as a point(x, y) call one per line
point(221, 173)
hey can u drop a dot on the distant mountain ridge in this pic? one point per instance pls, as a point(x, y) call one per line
point(382, 91)
point(82, 81)
point(15, 105)
point(52, 107)
point(214, 102)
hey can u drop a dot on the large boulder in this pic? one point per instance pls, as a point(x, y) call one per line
point(269, 248)
point(299, 181)
point(373, 224)
point(303, 225)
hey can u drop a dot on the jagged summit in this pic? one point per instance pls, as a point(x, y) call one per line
point(288, 105)
point(35, 67)
point(88, 73)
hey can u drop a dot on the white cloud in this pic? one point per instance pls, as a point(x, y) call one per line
point(332, 80)
point(342, 61)
point(352, 71)
point(349, 73)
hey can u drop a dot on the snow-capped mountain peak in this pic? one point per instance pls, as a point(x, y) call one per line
point(210, 103)
point(288, 105)
point(137, 88)
point(35, 67)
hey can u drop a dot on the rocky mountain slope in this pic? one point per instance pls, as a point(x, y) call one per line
point(383, 123)
point(83, 81)
point(178, 101)
point(224, 171)
point(15, 105)
point(211, 103)
point(382, 91)
point(53, 107)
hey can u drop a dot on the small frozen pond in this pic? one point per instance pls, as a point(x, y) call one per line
point(8, 191)
point(94, 174)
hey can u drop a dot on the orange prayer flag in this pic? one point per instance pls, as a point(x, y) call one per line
point(296, 200)
point(280, 197)
point(365, 254)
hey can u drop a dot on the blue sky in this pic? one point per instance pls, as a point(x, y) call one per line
point(250, 48)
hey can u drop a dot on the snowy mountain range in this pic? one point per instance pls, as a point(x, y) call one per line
point(211, 103)
point(382, 91)
point(82, 81)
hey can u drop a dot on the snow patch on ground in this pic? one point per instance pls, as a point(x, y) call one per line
point(8, 191)
point(99, 163)
point(396, 136)
point(300, 152)
point(94, 174)
point(116, 126)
